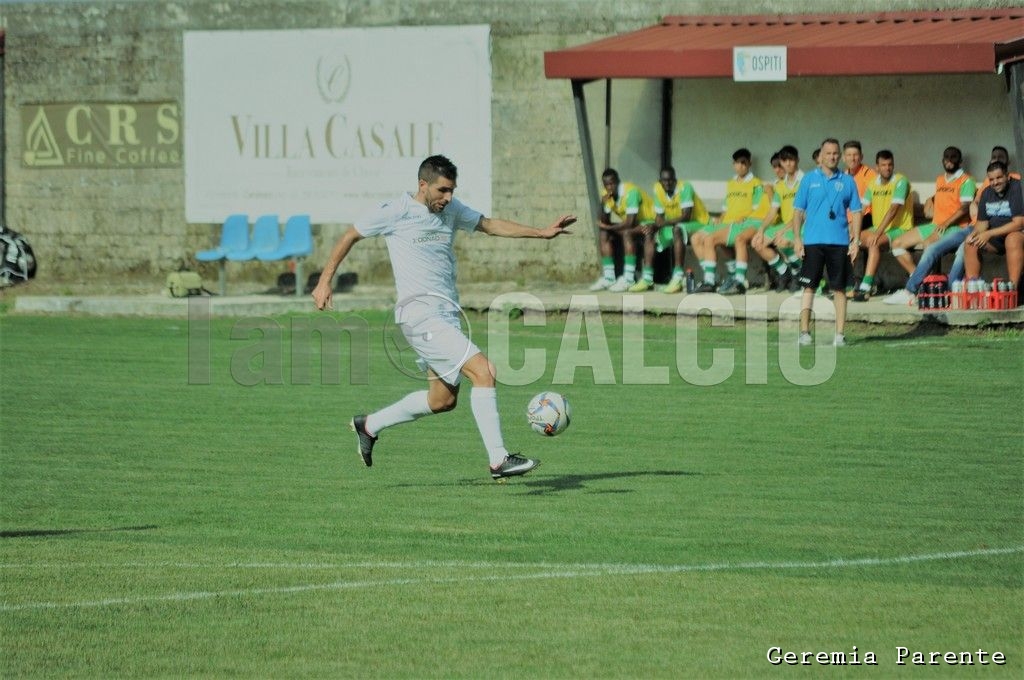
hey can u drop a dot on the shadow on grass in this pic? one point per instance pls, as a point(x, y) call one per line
point(924, 329)
point(558, 483)
point(26, 533)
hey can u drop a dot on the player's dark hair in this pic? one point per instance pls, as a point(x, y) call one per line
point(741, 154)
point(997, 165)
point(884, 154)
point(437, 166)
point(774, 160)
point(852, 144)
point(954, 154)
point(610, 173)
point(789, 153)
point(1002, 151)
point(668, 170)
point(829, 140)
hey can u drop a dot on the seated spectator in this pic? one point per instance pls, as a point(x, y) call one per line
point(948, 209)
point(999, 153)
point(853, 157)
point(633, 208)
point(1000, 226)
point(952, 241)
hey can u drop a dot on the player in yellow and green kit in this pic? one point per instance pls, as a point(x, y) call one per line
point(634, 209)
point(774, 238)
point(679, 213)
point(746, 204)
point(888, 194)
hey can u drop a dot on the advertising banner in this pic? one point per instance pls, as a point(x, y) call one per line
point(331, 122)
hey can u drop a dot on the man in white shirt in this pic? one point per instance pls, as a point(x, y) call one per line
point(419, 230)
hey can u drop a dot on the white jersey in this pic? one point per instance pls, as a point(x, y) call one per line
point(420, 245)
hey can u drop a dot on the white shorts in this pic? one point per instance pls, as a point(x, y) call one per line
point(440, 345)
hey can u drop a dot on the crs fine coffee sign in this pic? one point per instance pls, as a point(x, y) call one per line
point(101, 135)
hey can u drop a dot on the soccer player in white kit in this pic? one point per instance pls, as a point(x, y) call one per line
point(419, 230)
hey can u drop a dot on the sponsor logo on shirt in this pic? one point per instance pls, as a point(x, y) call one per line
point(430, 237)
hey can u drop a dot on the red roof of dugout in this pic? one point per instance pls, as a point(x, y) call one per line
point(887, 43)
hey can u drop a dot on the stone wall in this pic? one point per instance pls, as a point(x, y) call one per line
point(95, 224)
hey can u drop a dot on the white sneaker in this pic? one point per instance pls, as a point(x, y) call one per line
point(900, 297)
point(601, 284)
point(620, 285)
point(840, 341)
point(805, 339)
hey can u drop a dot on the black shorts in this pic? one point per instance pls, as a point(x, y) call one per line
point(833, 259)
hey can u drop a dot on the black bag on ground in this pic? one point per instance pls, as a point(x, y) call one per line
point(17, 259)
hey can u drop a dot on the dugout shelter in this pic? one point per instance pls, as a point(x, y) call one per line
point(890, 45)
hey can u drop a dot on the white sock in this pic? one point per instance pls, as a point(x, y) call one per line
point(484, 402)
point(410, 407)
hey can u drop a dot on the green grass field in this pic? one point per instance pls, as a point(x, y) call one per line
point(153, 527)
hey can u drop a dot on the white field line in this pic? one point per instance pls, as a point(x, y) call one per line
point(551, 571)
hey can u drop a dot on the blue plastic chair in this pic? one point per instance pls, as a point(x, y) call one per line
point(266, 237)
point(296, 244)
point(234, 235)
point(297, 240)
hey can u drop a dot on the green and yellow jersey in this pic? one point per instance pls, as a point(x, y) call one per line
point(631, 200)
point(881, 197)
point(743, 199)
point(683, 197)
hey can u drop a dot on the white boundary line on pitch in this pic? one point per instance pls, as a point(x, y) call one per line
point(554, 572)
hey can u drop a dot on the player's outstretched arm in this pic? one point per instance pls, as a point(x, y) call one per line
point(497, 227)
point(323, 292)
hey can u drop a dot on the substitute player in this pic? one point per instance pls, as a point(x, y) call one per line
point(888, 194)
point(746, 204)
point(679, 213)
point(634, 210)
point(949, 209)
point(419, 230)
point(774, 238)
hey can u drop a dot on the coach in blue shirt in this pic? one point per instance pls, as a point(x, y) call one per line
point(828, 241)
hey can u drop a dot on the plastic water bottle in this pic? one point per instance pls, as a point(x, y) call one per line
point(691, 285)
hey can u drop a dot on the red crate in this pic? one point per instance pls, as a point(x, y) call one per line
point(928, 301)
point(984, 300)
point(1002, 299)
point(962, 300)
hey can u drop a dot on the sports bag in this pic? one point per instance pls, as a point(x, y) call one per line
point(185, 283)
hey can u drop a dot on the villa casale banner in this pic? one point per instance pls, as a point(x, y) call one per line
point(330, 122)
point(102, 135)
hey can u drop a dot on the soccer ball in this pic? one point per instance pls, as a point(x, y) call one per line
point(549, 413)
